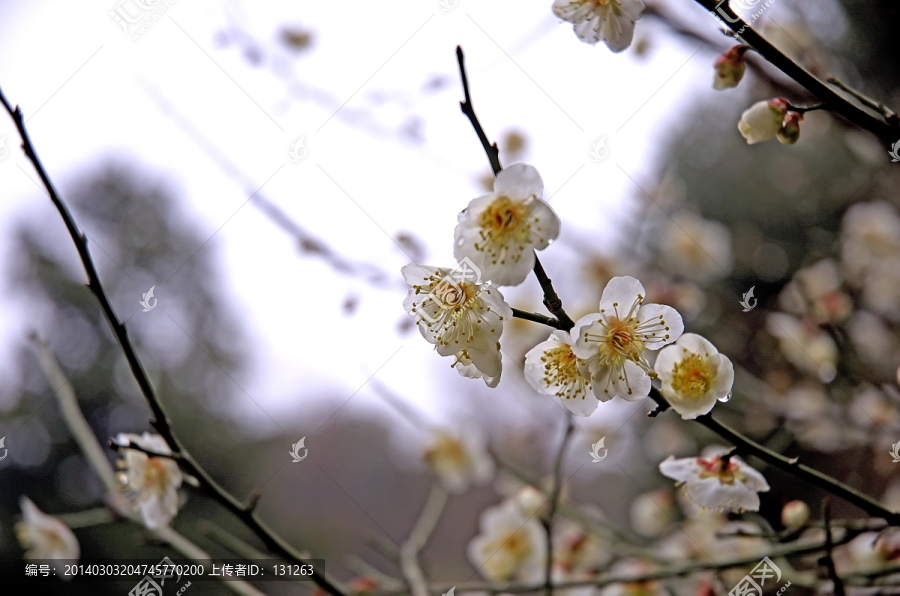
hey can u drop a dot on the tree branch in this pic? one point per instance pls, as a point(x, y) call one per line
point(555, 491)
point(885, 128)
point(535, 318)
point(792, 466)
point(160, 422)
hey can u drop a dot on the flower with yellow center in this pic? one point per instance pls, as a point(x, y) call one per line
point(44, 536)
point(552, 368)
point(715, 483)
point(459, 461)
point(610, 21)
point(611, 344)
point(694, 375)
point(510, 546)
point(461, 317)
point(500, 231)
point(150, 483)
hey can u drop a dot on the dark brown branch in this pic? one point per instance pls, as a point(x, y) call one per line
point(827, 560)
point(745, 445)
point(551, 300)
point(555, 491)
point(535, 318)
point(886, 129)
point(160, 422)
point(129, 445)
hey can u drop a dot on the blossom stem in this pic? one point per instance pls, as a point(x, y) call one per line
point(799, 110)
point(535, 318)
point(791, 465)
point(884, 127)
point(409, 555)
point(827, 559)
point(555, 491)
point(888, 114)
point(551, 299)
point(493, 153)
point(136, 447)
point(160, 421)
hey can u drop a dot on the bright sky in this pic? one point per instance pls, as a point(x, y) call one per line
point(83, 83)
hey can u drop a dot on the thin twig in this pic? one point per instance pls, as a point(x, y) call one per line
point(535, 318)
point(409, 557)
point(551, 299)
point(129, 445)
point(827, 559)
point(160, 422)
point(886, 129)
point(555, 491)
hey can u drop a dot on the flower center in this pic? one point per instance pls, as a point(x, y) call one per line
point(693, 377)
point(447, 450)
point(505, 230)
point(156, 474)
point(714, 467)
point(561, 371)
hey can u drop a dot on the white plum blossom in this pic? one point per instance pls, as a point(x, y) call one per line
point(44, 536)
point(611, 343)
point(805, 345)
point(816, 291)
point(610, 21)
point(551, 367)
point(509, 546)
point(461, 317)
point(459, 461)
point(710, 482)
point(500, 231)
point(869, 231)
point(697, 248)
point(762, 121)
point(150, 483)
point(694, 375)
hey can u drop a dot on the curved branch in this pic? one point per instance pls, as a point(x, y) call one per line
point(161, 422)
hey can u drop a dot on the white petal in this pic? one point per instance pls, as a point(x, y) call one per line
point(519, 181)
point(680, 470)
point(415, 274)
point(587, 324)
point(623, 291)
point(636, 384)
point(674, 324)
point(724, 376)
point(581, 406)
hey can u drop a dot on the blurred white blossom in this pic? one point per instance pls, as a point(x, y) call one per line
point(149, 483)
point(44, 536)
point(552, 368)
point(694, 375)
point(509, 546)
point(612, 343)
point(651, 513)
point(816, 291)
point(610, 21)
point(805, 345)
point(459, 461)
point(710, 482)
point(869, 231)
point(795, 514)
point(697, 248)
point(500, 231)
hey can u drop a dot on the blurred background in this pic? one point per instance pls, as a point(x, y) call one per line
point(269, 167)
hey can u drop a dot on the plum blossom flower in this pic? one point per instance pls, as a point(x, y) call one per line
point(44, 536)
point(762, 121)
point(816, 291)
point(552, 367)
point(869, 232)
point(509, 546)
point(713, 483)
point(694, 375)
point(610, 21)
point(461, 317)
point(730, 67)
point(697, 248)
point(459, 461)
point(805, 345)
point(500, 231)
point(150, 483)
point(612, 343)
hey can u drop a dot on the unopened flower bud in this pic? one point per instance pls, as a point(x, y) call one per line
point(730, 68)
point(790, 129)
point(763, 120)
point(795, 514)
point(530, 500)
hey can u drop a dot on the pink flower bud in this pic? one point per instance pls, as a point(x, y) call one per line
point(730, 68)
point(790, 129)
point(763, 120)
